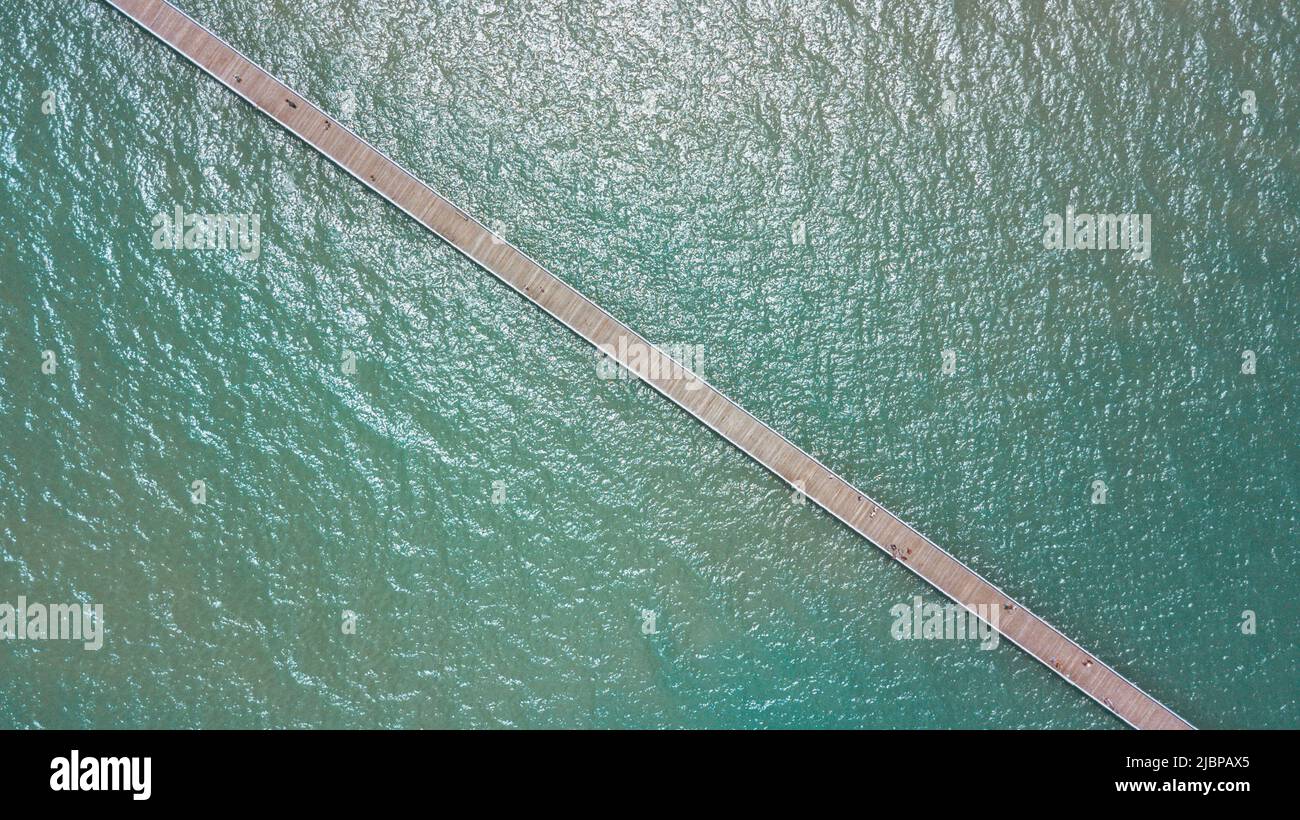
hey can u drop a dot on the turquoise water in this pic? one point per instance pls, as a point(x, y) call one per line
point(658, 156)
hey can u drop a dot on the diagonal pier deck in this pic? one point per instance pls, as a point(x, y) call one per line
point(584, 317)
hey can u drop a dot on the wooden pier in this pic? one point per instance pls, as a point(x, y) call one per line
point(584, 317)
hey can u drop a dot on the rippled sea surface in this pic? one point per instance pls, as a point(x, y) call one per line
point(661, 157)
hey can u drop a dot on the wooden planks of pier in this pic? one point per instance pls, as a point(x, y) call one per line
point(904, 544)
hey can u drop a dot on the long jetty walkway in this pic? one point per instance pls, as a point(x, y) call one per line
point(584, 317)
